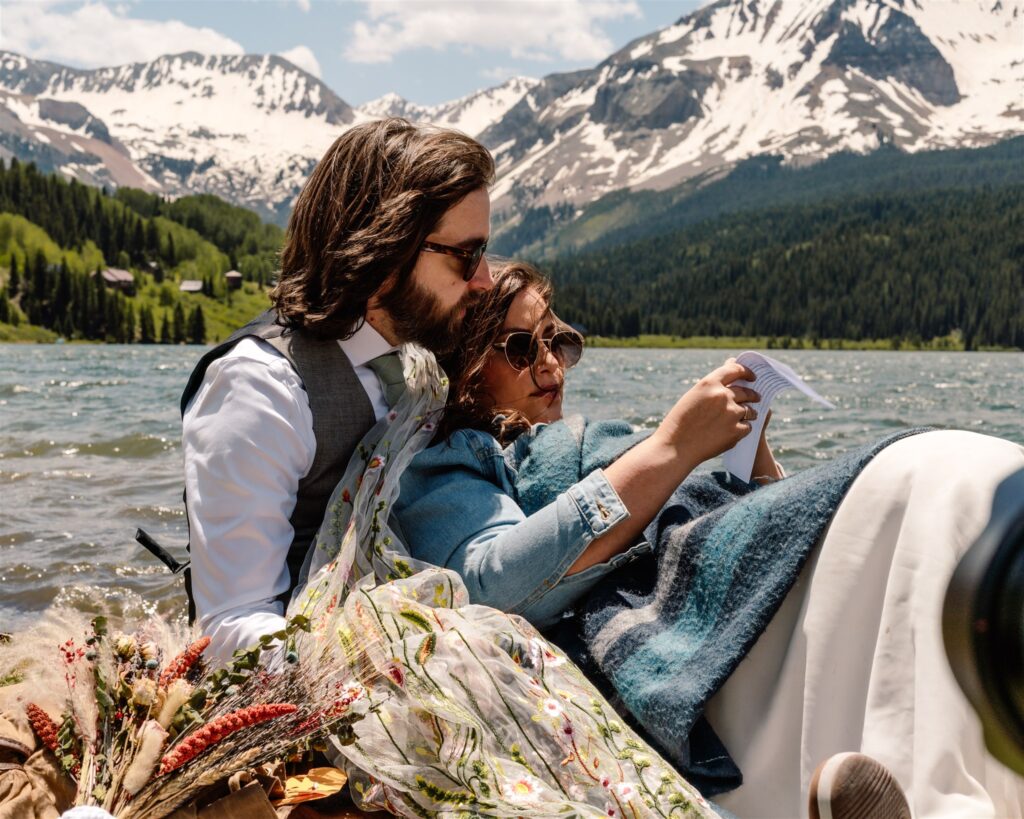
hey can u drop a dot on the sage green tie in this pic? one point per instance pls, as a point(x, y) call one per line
point(388, 368)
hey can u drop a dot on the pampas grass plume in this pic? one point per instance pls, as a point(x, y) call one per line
point(171, 699)
point(152, 737)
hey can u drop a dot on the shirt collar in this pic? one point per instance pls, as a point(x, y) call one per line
point(365, 344)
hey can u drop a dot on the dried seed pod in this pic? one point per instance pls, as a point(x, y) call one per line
point(144, 692)
point(44, 727)
point(179, 666)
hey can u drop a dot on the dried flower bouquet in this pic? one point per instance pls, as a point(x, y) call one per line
point(143, 731)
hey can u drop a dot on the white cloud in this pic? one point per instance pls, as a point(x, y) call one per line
point(522, 29)
point(304, 58)
point(304, 5)
point(96, 34)
point(499, 73)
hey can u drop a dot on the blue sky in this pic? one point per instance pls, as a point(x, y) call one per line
point(427, 51)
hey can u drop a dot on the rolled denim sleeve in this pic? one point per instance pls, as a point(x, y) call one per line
point(457, 509)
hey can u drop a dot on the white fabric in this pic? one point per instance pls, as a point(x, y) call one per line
point(247, 440)
point(854, 659)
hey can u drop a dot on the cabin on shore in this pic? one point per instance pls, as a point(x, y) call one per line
point(119, 279)
point(234, 280)
point(191, 286)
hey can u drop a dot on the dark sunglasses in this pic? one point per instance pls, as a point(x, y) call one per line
point(470, 258)
point(522, 349)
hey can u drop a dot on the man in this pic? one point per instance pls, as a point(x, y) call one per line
point(385, 246)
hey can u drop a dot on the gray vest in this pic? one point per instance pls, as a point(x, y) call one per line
point(341, 411)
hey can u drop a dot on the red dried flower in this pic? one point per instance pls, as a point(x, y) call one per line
point(214, 732)
point(45, 728)
point(179, 666)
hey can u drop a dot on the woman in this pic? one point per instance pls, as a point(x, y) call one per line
point(586, 531)
point(851, 661)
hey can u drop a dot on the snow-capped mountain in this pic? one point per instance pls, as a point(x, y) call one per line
point(247, 128)
point(797, 78)
point(470, 114)
point(737, 78)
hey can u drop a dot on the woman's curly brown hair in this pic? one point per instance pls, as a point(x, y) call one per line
point(468, 405)
point(368, 206)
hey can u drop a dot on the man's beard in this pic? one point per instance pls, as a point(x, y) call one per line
point(417, 315)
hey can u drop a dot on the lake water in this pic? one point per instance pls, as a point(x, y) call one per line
point(89, 445)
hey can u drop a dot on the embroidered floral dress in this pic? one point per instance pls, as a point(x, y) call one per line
point(471, 712)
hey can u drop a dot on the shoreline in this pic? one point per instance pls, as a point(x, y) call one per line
point(953, 343)
point(946, 344)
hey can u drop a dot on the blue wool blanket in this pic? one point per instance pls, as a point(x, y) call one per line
point(664, 633)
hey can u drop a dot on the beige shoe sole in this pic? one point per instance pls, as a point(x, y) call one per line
point(855, 786)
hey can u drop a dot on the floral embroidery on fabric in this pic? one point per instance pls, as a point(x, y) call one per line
point(471, 711)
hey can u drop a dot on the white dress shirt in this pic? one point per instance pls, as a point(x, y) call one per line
point(247, 440)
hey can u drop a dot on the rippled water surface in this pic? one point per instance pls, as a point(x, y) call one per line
point(89, 445)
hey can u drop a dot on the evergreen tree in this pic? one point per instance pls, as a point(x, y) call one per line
point(180, 336)
point(138, 243)
point(127, 335)
point(14, 281)
point(197, 326)
point(98, 323)
point(5, 308)
point(165, 329)
point(61, 305)
point(147, 328)
point(39, 276)
point(152, 239)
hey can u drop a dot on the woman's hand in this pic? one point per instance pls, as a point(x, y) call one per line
point(712, 416)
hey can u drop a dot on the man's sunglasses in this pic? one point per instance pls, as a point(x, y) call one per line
point(470, 258)
point(522, 349)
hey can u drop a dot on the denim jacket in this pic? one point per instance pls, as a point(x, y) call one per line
point(457, 509)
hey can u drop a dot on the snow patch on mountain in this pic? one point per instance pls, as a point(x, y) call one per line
point(470, 114)
point(738, 78)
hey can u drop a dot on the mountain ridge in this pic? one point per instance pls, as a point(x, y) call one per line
point(731, 80)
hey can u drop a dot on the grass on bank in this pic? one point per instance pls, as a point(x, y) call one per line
point(26, 333)
point(950, 343)
point(223, 318)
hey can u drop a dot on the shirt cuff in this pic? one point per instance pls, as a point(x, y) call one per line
point(599, 504)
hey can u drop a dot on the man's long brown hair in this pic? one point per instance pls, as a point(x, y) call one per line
point(376, 195)
point(468, 405)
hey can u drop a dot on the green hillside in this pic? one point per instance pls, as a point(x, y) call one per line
point(895, 250)
point(908, 267)
point(56, 238)
point(756, 184)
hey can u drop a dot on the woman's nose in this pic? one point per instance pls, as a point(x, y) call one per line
point(482, 278)
point(547, 360)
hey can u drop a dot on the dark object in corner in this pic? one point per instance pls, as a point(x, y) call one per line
point(983, 624)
